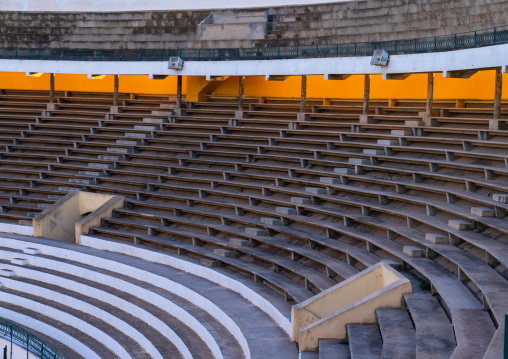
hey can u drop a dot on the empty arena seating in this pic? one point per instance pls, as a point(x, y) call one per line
point(323, 24)
point(296, 205)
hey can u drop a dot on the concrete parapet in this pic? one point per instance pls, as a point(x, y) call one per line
point(62, 221)
point(352, 301)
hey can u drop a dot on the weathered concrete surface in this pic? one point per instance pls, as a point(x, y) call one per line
point(308, 24)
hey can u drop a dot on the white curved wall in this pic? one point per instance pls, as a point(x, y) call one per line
point(143, 5)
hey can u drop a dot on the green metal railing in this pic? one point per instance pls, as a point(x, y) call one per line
point(19, 336)
point(479, 38)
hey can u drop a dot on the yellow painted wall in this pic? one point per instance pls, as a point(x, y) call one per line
point(137, 84)
point(479, 86)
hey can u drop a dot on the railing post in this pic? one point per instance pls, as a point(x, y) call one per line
point(355, 48)
point(11, 342)
point(415, 46)
point(337, 50)
point(278, 52)
point(100, 55)
point(16, 53)
point(455, 48)
point(395, 50)
point(297, 51)
point(475, 38)
point(435, 43)
point(495, 33)
point(27, 340)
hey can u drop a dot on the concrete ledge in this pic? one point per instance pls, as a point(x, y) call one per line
point(482, 212)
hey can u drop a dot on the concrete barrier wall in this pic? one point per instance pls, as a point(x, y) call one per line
point(63, 220)
point(354, 300)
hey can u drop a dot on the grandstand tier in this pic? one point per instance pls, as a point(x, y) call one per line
point(329, 23)
point(298, 206)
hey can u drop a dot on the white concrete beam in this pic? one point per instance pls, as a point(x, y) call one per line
point(460, 60)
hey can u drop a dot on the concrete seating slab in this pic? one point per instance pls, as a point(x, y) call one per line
point(364, 341)
point(397, 333)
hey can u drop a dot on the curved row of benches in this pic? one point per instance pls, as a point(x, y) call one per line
point(298, 209)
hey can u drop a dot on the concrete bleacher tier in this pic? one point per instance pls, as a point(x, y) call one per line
point(296, 205)
point(339, 22)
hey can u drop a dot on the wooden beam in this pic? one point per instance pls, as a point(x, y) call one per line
point(179, 91)
point(497, 94)
point(241, 85)
point(366, 94)
point(430, 94)
point(115, 91)
point(303, 97)
point(51, 88)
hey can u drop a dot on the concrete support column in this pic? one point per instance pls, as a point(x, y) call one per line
point(115, 91)
point(497, 94)
point(303, 97)
point(241, 86)
point(179, 91)
point(51, 88)
point(366, 94)
point(430, 94)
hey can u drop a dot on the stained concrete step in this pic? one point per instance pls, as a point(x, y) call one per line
point(364, 341)
point(435, 337)
point(333, 349)
point(397, 333)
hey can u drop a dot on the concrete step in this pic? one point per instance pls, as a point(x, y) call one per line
point(271, 221)
point(91, 173)
point(146, 128)
point(344, 171)
point(372, 151)
point(364, 341)
point(128, 142)
point(44, 205)
point(251, 231)
point(359, 161)
point(315, 190)
point(435, 337)
point(397, 333)
point(437, 238)
point(138, 135)
point(385, 142)
point(286, 211)
point(154, 120)
point(67, 189)
point(82, 181)
point(110, 157)
point(482, 212)
point(119, 150)
point(460, 225)
point(333, 349)
point(329, 180)
point(223, 252)
point(105, 166)
point(55, 197)
point(301, 200)
point(239, 242)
